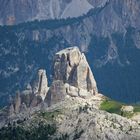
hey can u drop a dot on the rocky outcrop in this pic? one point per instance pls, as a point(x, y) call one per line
point(23, 107)
point(40, 84)
point(72, 76)
point(71, 90)
point(56, 93)
point(35, 93)
point(32, 96)
point(35, 101)
point(26, 95)
point(17, 103)
point(72, 68)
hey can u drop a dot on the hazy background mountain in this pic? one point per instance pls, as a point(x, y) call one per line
point(108, 32)
point(14, 11)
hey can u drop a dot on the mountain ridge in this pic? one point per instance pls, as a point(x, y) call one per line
point(39, 10)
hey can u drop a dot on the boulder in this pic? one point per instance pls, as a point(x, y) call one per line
point(127, 109)
point(84, 93)
point(27, 98)
point(71, 90)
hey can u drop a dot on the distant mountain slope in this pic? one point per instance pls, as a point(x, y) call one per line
point(15, 11)
point(76, 8)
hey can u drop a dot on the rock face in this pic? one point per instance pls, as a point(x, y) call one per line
point(81, 118)
point(37, 91)
point(56, 93)
point(105, 36)
point(11, 110)
point(17, 103)
point(32, 96)
point(40, 84)
point(127, 109)
point(26, 95)
point(72, 76)
point(71, 67)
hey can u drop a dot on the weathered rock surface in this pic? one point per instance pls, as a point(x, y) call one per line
point(99, 31)
point(23, 107)
point(94, 124)
point(17, 102)
point(36, 100)
point(72, 76)
point(71, 67)
point(32, 96)
point(71, 90)
point(40, 84)
point(82, 119)
point(11, 110)
point(26, 95)
point(127, 109)
point(56, 93)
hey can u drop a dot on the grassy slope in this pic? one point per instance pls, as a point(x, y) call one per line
point(115, 107)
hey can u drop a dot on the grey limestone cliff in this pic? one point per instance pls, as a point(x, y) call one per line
point(72, 67)
point(72, 76)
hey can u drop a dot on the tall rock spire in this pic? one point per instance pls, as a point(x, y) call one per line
point(40, 85)
point(71, 67)
point(17, 102)
point(72, 76)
